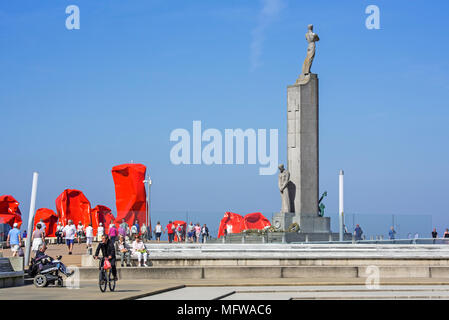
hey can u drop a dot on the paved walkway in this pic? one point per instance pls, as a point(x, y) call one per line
point(210, 289)
point(54, 250)
point(88, 290)
point(305, 292)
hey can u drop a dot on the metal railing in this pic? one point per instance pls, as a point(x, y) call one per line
point(392, 241)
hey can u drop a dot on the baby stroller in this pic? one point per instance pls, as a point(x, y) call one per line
point(45, 270)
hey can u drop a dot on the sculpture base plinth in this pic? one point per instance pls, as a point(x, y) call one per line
point(314, 223)
point(307, 223)
point(282, 220)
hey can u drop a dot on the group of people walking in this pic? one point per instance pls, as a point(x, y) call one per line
point(183, 233)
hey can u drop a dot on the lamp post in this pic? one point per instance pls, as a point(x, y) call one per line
point(341, 205)
point(31, 218)
point(148, 183)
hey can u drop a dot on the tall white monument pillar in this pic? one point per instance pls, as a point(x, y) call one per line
point(302, 150)
point(303, 154)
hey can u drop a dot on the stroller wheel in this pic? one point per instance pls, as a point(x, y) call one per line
point(40, 281)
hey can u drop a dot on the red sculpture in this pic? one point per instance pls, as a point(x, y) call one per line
point(235, 223)
point(50, 219)
point(73, 205)
point(130, 195)
point(9, 211)
point(231, 222)
point(254, 221)
point(104, 215)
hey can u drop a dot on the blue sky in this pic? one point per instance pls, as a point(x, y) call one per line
point(74, 103)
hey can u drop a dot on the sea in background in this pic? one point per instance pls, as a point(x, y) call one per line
point(373, 225)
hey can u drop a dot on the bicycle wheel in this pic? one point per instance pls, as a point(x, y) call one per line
point(103, 281)
point(111, 281)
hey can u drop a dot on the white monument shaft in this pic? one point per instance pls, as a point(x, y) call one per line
point(303, 150)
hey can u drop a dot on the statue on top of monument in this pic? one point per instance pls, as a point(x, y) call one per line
point(284, 180)
point(307, 65)
point(311, 39)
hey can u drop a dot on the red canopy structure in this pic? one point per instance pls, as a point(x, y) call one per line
point(183, 225)
point(50, 219)
point(254, 220)
point(73, 205)
point(101, 214)
point(130, 195)
point(9, 211)
point(230, 222)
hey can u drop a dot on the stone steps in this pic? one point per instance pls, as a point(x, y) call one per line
point(270, 272)
point(11, 272)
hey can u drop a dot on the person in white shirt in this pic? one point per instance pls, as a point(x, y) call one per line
point(37, 238)
point(140, 251)
point(70, 234)
point(100, 231)
point(158, 231)
point(43, 226)
point(89, 236)
point(80, 231)
point(143, 231)
point(125, 253)
point(190, 231)
point(59, 235)
point(134, 231)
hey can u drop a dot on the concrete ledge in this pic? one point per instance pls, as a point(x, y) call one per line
point(16, 263)
point(11, 279)
point(320, 271)
point(190, 262)
point(146, 273)
point(269, 272)
point(439, 272)
point(398, 272)
point(242, 272)
point(12, 272)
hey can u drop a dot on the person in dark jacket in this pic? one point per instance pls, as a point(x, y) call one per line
point(434, 233)
point(204, 233)
point(108, 251)
point(358, 232)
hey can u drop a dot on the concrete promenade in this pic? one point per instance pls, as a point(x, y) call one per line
point(305, 292)
point(175, 267)
point(276, 261)
point(303, 250)
point(249, 289)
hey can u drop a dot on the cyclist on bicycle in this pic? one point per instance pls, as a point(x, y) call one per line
point(108, 250)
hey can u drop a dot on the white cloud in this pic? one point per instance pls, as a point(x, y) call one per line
point(270, 10)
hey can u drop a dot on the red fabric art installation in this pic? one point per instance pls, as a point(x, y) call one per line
point(9, 211)
point(130, 195)
point(254, 221)
point(73, 205)
point(104, 215)
point(231, 222)
point(50, 219)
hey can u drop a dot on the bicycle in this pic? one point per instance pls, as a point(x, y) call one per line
point(106, 278)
